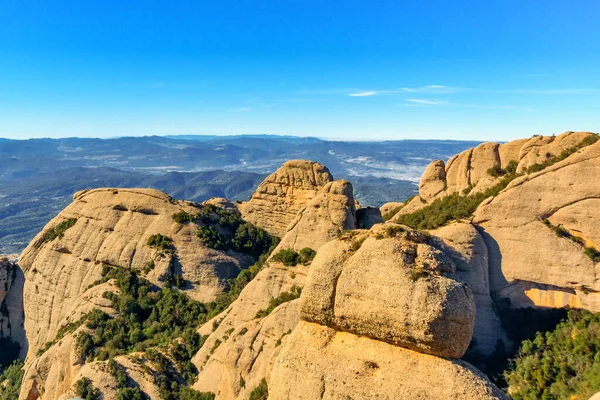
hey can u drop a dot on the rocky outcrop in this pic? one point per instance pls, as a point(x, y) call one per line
point(318, 362)
point(468, 171)
point(373, 303)
point(433, 180)
point(242, 347)
point(222, 203)
point(330, 212)
point(283, 194)
point(390, 285)
point(107, 226)
point(531, 261)
point(463, 243)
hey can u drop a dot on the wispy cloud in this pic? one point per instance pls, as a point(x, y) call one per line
point(362, 94)
point(432, 89)
point(243, 109)
point(427, 102)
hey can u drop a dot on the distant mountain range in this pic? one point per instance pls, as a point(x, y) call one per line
point(39, 176)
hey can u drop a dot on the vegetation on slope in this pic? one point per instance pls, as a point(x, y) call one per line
point(291, 258)
point(562, 364)
point(59, 230)
point(589, 251)
point(161, 323)
point(221, 229)
point(283, 297)
point(86, 390)
point(458, 206)
point(261, 392)
point(10, 381)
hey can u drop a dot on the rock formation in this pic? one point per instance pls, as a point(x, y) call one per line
point(374, 301)
point(468, 171)
point(385, 310)
point(532, 261)
point(330, 212)
point(242, 347)
point(106, 227)
point(283, 193)
point(318, 362)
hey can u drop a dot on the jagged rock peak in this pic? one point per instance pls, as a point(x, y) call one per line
point(282, 194)
point(331, 211)
point(468, 171)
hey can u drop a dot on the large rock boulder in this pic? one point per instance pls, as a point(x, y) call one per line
point(373, 303)
point(278, 199)
point(463, 243)
point(330, 212)
point(433, 180)
point(318, 362)
point(390, 285)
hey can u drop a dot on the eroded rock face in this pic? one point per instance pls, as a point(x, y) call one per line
point(463, 243)
point(433, 180)
point(107, 226)
point(468, 171)
point(283, 194)
point(391, 286)
point(330, 212)
point(241, 346)
point(529, 262)
point(318, 362)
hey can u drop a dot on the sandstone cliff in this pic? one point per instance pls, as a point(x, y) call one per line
point(283, 193)
point(468, 171)
point(532, 261)
point(330, 212)
point(107, 227)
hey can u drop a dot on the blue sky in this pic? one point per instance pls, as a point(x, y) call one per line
point(351, 70)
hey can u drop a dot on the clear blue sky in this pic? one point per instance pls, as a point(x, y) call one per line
point(345, 69)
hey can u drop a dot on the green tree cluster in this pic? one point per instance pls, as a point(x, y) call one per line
point(290, 257)
point(561, 364)
point(10, 381)
point(59, 230)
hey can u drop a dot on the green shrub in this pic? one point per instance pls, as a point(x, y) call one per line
point(283, 297)
point(287, 257)
point(85, 389)
point(261, 392)
point(388, 215)
point(562, 364)
point(593, 254)
point(183, 217)
point(306, 255)
point(10, 381)
point(59, 230)
point(495, 171)
point(212, 238)
point(160, 242)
